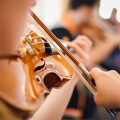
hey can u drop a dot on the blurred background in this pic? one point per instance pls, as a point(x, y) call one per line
point(51, 10)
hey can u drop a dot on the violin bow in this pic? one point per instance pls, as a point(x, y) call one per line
point(50, 36)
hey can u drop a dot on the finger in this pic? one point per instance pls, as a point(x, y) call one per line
point(100, 100)
point(79, 51)
point(83, 42)
point(79, 44)
point(86, 39)
point(96, 73)
point(113, 72)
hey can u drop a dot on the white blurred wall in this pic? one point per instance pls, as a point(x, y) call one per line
point(106, 8)
point(49, 11)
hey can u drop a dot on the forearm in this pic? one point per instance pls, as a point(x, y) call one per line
point(99, 53)
point(55, 104)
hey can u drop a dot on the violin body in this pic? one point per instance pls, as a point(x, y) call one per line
point(19, 85)
point(25, 80)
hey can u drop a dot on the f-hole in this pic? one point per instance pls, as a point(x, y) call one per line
point(40, 67)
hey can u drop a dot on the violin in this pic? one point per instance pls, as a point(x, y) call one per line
point(32, 75)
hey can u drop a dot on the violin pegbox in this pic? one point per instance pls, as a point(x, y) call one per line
point(33, 44)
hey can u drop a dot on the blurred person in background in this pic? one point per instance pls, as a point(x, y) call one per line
point(106, 39)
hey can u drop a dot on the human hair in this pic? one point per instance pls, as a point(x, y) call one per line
point(74, 4)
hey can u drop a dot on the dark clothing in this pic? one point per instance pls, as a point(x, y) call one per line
point(61, 32)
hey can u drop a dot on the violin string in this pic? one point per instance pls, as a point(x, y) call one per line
point(38, 43)
point(42, 47)
point(33, 37)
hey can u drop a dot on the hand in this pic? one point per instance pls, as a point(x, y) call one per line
point(108, 88)
point(81, 46)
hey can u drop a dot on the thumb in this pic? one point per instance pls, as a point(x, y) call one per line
point(95, 73)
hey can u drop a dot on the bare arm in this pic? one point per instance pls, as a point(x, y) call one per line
point(56, 103)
